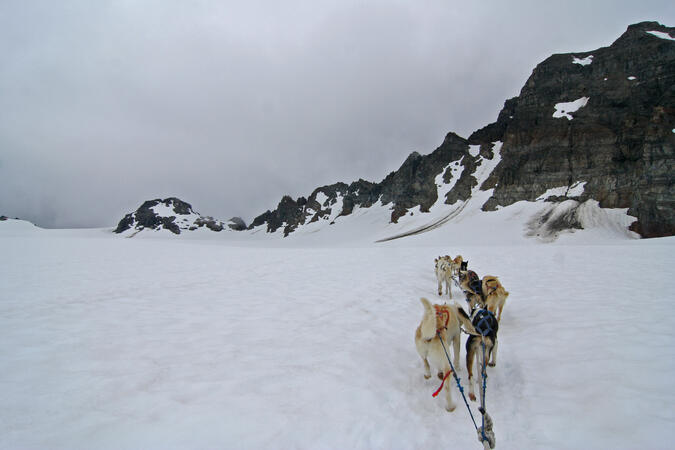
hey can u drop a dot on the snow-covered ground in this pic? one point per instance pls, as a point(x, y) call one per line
point(248, 341)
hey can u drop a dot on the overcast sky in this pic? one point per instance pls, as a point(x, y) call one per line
point(231, 105)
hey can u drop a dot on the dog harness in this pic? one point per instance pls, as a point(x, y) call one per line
point(485, 322)
point(440, 313)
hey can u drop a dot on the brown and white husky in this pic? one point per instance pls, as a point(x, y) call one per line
point(488, 292)
point(494, 295)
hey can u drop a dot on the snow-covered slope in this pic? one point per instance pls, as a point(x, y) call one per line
point(214, 342)
point(464, 222)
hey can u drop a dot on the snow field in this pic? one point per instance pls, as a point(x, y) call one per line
point(164, 343)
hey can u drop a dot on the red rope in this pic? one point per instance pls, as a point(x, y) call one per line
point(442, 383)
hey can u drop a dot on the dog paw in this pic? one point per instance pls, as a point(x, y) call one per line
point(440, 375)
point(492, 364)
point(426, 377)
point(450, 408)
point(472, 397)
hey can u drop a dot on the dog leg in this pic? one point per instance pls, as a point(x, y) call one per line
point(449, 403)
point(456, 343)
point(493, 355)
point(470, 352)
point(427, 369)
point(440, 287)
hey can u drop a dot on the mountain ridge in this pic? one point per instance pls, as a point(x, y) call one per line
point(618, 141)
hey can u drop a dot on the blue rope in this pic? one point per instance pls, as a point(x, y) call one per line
point(484, 375)
point(459, 386)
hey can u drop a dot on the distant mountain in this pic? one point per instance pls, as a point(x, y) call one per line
point(588, 129)
point(174, 215)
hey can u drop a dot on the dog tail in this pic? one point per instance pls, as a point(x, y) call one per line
point(465, 321)
point(428, 325)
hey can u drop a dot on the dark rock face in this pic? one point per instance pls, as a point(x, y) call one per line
point(320, 204)
point(236, 224)
point(179, 217)
point(621, 142)
point(414, 183)
point(618, 138)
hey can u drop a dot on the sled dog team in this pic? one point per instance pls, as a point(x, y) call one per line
point(486, 298)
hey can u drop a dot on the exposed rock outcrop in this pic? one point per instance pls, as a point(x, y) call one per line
point(620, 142)
point(604, 120)
point(170, 214)
point(236, 224)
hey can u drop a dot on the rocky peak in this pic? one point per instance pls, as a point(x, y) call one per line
point(603, 117)
point(170, 214)
point(640, 31)
point(236, 224)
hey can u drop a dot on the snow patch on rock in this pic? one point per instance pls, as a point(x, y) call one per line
point(582, 62)
point(566, 108)
point(661, 35)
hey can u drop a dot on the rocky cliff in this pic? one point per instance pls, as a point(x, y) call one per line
point(174, 215)
point(602, 120)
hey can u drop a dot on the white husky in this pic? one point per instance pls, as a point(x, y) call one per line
point(441, 322)
point(446, 268)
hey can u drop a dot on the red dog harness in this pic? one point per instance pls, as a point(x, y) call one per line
point(440, 313)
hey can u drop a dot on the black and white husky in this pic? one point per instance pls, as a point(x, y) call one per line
point(481, 348)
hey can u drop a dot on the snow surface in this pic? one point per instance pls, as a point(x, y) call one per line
point(249, 340)
point(631, 78)
point(321, 198)
point(164, 343)
point(662, 35)
point(564, 109)
point(582, 61)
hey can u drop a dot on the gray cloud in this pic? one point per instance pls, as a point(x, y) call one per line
point(231, 106)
